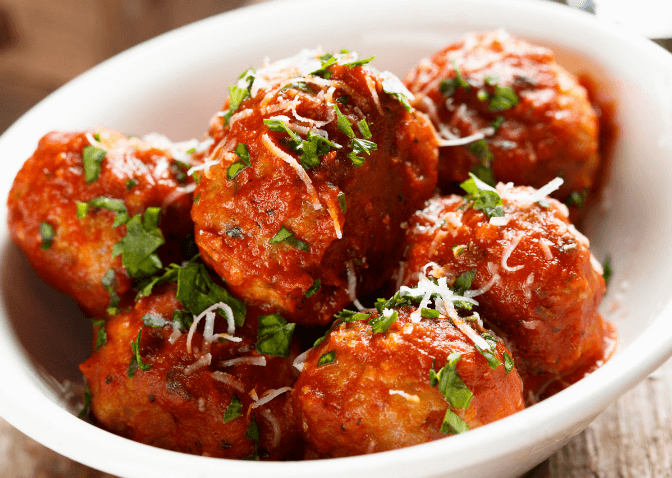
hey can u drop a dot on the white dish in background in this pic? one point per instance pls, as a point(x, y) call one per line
point(174, 83)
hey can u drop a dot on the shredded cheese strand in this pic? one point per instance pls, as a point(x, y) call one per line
point(270, 395)
point(271, 147)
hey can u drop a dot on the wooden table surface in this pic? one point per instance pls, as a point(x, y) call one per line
point(631, 439)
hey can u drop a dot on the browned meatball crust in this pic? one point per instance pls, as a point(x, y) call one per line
point(364, 392)
point(301, 230)
point(540, 287)
point(67, 202)
point(179, 401)
point(545, 124)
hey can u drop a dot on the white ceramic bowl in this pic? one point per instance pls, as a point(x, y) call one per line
point(174, 83)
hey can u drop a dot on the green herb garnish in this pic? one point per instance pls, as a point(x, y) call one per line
point(503, 98)
point(317, 284)
point(343, 123)
point(341, 202)
point(607, 270)
point(47, 234)
point(485, 198)
point(327, 358)
point(452, 420)
point(138, 247)
point(234, 410)
point(274, 335)
point(508, 362)
point(136, 360)
point(287, 236)
point(101, 334)
point(109, 283)
point(450, 384)
point(92, 158)
point(87, 402)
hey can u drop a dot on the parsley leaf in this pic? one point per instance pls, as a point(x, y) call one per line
point(317, 284)
point(341, 202)
point(450, 384)
point(252, 433)
point(483, 171)
point(287, 236)
point(92, 158)
point(354, 63)
point(343, 123)
point(110, 285)
point(196, 291)
point(138, 247)
point(394, 87)
point(364, 129)
point(274, 335)
point(448, 87)
point(327, 60)
point(381, 323)
point(503, 98)
point(87, 402)
point(237, 94)
point(136, 360)
point(508, 363)
point(101, 334)
point(430, 313)
point(243, 152)
point(452, 420)
point(278, 125)
point(47, 234)
point(115, 205)
point(577, 199)
point(606, 267)
point(344, 316)
point(489, 355)
point(234, 410)
point(485, 198)
point(329, 357)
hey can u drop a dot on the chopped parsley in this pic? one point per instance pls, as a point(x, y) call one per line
point(343, 123)
point(287, 236)
point(430, 313)
point(364, 129)
point(485, 157)
point(354, 63)
point(577, 199)
point(196, 291)
point(92, 158)
point(274, 335)
point(243, 152)
point(136, 360)
point(483, 197)
point(503, 98)
point(327, 60)
point(237, 94)
point(109, 283)
point(101, 334)
point(381, 323)
point(47, 234)
point(103, 202)
point(311, 148)
point(394, 87)
point(344, 316)
point(450, 384)
point(138, 247)
point(252, 433)
point(341, 202)
point(497, 123)
point(508, 362)
point(234, 410)
point(448, 87)
point(87, 402)
point(329, 357)
point(317, 285)
point(131, 183)
point(360, 146)
point(489, 355)
point(452, 420)
point(606, 267)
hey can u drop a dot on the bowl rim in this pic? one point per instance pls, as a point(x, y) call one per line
point(25, 401)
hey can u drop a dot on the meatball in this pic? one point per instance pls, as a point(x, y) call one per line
point(318, 165)
point(80, 209)
point(180, 392)
point(537, 120)
point(362, 391)
point(536, 282)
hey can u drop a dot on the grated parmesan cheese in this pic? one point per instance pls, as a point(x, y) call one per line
point(507, 253)
point(260, 361)
point(407, 396)
point(269, 395)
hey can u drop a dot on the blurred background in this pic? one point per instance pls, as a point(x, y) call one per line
point(44, 44)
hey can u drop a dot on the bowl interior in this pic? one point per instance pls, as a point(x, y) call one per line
point(174, 83)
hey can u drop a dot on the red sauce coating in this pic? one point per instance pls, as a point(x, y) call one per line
point(170, 408)
point(346, 407)
point(542, 298)
point(237, 218)
point(552, 131)
point(52, 181)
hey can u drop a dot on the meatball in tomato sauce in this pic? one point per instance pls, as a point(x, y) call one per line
point(196, 390)
point(92, 211)
point(365, 389)
point(531, 118)
point(535, 278)
point(321, 159)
